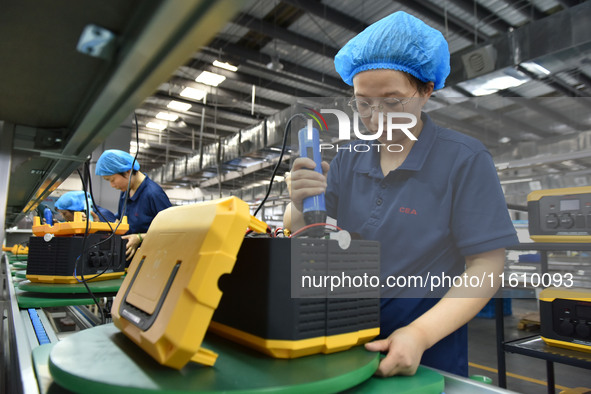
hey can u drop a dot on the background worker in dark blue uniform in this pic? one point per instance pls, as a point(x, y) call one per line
point(75, 201)
point(146, 197)
point(436, 206)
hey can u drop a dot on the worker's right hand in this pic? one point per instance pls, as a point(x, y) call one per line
point(306, 183)
point(133, 243)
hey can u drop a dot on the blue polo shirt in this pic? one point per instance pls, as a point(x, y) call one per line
point(443, 203)
point(105, 214)
point(142, 207)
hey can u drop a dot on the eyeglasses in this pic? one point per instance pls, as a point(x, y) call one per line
point(390, 104)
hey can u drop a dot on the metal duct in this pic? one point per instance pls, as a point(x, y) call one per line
point(566, 29)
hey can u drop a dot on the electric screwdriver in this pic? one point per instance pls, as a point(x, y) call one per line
point(48, 216)
point(314, 208)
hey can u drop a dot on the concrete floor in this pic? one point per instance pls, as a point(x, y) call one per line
point(530, 373)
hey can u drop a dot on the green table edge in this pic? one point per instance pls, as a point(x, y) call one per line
point(403, 384)
point(14, 258)
point(101, 286)
point(31, 301)
point(20, 274)
point(45, 382)
point(331, 385)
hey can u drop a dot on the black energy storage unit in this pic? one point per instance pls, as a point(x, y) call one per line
point(53, 260)
point(257, 308)
point(565, 317)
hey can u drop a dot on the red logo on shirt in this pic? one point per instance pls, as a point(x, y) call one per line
point(408, 211)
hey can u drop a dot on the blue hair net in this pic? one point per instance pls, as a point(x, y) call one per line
point(115, 161)
point(72, 201)
point(397, 42)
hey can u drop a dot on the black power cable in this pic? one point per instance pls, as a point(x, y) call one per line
point(86, 182)
point(283, 146)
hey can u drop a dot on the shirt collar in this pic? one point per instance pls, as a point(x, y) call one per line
point(138, 191)
point(370, 163)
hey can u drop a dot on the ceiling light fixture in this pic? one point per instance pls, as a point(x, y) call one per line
point(509, 181)
point(196, 94)
point(536, 68)
point(133, 146)
point(496, 84)
point(211, 79)
point(156, 126)
point(143, 145)
point(225, 66)
point(167, 116)
point(179, 106)
point(495, 81)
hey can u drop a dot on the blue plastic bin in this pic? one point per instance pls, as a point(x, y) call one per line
point(488, 312)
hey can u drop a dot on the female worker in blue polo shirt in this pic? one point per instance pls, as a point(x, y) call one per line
point(436, 206)
point(146, 197)
point(76, 201)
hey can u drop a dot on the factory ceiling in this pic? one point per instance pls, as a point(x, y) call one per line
point(512, 61)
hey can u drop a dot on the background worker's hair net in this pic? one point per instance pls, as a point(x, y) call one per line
point(73, 201)
point(397, 42)
point(115, 161)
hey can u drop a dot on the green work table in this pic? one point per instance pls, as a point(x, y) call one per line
point(19, 265)
point(102, 359)
point(101, 286)
point(17, 257)
point(27, 299)
point(425, 381)
point(20, 274)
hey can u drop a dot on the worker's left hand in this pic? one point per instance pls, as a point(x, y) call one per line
point(405, 348)
point(133, 243)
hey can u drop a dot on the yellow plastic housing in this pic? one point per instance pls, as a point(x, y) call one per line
point(576, 294)
point(280, 348)
point(78, 226)
point(173, 278)
point(537, 195)
point(16, 249)
point(561, 238)
point(71, 279)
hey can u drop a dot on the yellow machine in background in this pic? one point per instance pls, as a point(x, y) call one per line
point(171, 289)
point(259, 310)
point(16, 249)
point(89, 249)
point(560, 215)
point(565, 316)
point(174, 285)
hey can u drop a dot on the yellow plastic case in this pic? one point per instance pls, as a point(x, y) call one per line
point(561, 307)
point(546, 203)
point(78, 226)
point(16, 249)
point(71, 279)
point(170, 292)
point(296, 348)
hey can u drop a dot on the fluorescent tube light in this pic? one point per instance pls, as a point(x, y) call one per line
point(225, 66)
point(196, 94)
point(179, 106)
point(167, 116)
point(210, 79)
point(536, 68)
point(156, 126)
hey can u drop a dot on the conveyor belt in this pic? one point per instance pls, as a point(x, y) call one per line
point(40, 332)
